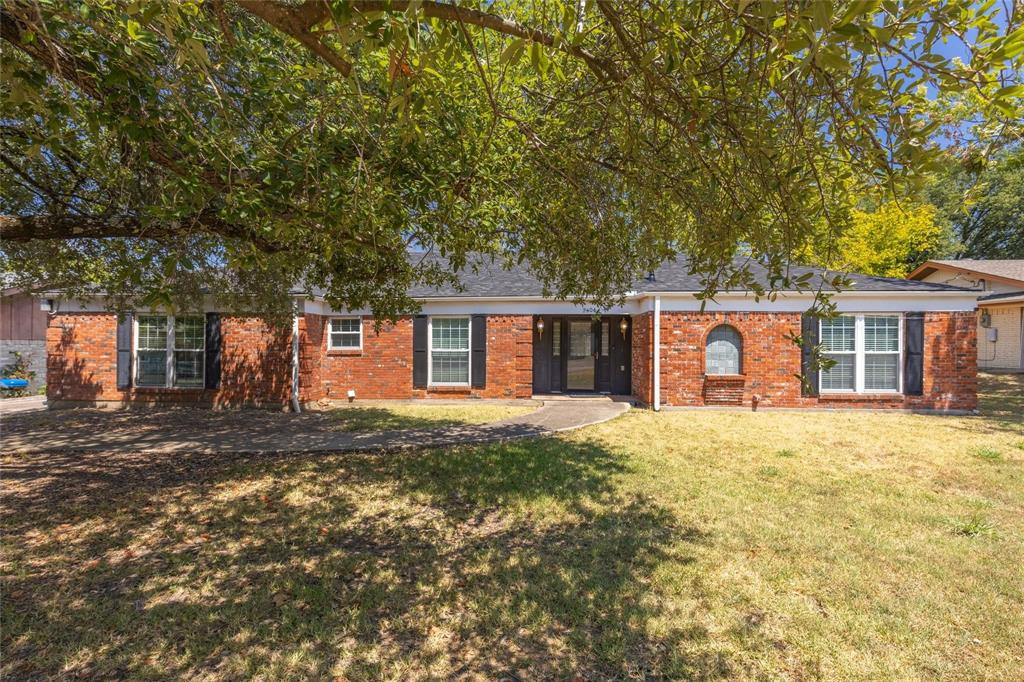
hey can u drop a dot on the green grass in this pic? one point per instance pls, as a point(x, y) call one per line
point(673, 545)
point(988, 454)
point(404, 416)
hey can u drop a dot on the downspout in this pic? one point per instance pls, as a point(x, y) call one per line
point(295, 358)
point(657, 353)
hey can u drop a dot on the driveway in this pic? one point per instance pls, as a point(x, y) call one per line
point(257, 431)
point(32, 403)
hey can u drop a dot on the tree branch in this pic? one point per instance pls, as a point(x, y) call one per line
point(63, 227)
point(301, 18)
point(285, 19)
point(47, 52)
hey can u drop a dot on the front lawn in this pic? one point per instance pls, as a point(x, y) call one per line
point(399, 416)
point(687, 544)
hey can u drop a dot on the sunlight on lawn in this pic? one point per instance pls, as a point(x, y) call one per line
point(395, 417)
point(688, 544)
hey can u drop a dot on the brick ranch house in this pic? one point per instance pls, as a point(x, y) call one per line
point(897, 344)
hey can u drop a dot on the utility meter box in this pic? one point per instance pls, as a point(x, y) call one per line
point(992, 333)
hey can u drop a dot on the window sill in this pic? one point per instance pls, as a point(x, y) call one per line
point(876, 397)
point(166, 389)
point(725, 377)
point(344, 351)
point(457, 388)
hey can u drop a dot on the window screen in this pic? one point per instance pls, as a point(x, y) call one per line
point(346, 332)
point(881, 352)
point(865, 350)
point(838, 343)
point(189, 346)
point(152, 351)
point(449, 350)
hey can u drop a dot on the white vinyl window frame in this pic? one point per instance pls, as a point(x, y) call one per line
point(859, 352)
point(331, 333)
point(169, 372)
point(468, 351)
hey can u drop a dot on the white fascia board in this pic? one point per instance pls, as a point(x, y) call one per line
point(98, 304)
point(637, 303)
point(513, 305)
point(847, 301)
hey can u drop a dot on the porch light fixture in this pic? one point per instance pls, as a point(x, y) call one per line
point(540, 326)
point(623, 327)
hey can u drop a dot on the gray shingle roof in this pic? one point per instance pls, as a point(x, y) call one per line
point(490, 279)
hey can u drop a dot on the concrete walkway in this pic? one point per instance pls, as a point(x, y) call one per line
point(32, 403)
point(261, 432)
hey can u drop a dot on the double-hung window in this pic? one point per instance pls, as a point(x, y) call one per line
point(866, 351)
point(449, 351)
point(170, 351)
point(345, 333)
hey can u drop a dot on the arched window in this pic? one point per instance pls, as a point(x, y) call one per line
point(724, 350)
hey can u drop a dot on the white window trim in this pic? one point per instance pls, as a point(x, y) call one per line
point(430, 351)
point(330, 344)
point(859, 354)
point(168, 354)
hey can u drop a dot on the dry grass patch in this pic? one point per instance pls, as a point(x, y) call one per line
point(723, 545)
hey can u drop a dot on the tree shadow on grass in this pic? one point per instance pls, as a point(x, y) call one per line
point(506, 560)
point(1000, 404)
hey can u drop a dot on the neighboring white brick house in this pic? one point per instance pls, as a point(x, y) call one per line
point(1000, 310)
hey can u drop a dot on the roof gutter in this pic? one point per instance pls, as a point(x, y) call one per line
point(1002, 301)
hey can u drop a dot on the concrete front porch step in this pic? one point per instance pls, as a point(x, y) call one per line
point(584, 397)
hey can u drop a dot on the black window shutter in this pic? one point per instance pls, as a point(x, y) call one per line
point(419, 351)
point(478, 369)
point(809, 337)
point(124, 350)
point(213, 344)
point(913, 354)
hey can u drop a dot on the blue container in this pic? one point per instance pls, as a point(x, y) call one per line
point(13, 384)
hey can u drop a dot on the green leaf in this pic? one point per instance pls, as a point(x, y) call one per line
point(822, 14)
point(1009, 91)
point(511, 54)
point(133, 29)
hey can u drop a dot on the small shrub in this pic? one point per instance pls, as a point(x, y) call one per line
point(768, 471)
point(973, 526)
point(786, 452)
point(988, 454)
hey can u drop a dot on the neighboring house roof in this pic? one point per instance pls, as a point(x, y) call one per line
point(1005, 297)
point(488, 279)
point(1006, 270)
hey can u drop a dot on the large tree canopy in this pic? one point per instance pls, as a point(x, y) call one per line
point(160, 149)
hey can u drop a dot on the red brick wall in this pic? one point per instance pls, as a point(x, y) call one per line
point(771, 362)
point(312, 345)
point(255, 365)
point(256, 362)
point(641, 371)
point(382, 369)
point(509, 362)
point(81, 357)
point(82, 364)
